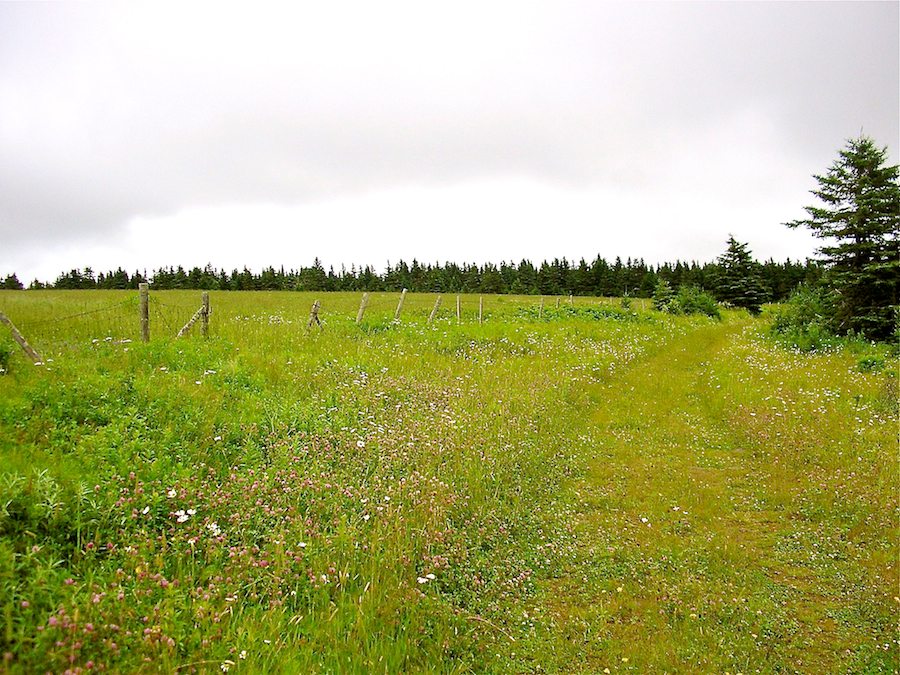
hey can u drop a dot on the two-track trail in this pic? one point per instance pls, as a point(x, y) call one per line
point(686, 545)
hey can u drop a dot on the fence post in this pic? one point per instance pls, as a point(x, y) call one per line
point(400, 304)
point(17, 336)
point(362, 307)
point(204, 316)
point(314, 316)
point(437, 305)
point(145, 312)
point(480, 309)
point(458, 314)
point(557, 303)
point(541, 309)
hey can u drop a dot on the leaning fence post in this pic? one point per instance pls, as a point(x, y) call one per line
point(17, 336)
point(400, 304)
point(362, 307)
point(204, 316)
point(314, 316)
point(145, 312)
point(434, 312)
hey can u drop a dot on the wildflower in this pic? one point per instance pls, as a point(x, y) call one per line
point(182, 516)
point(360, 444)
point(172, 493)
point(243, 654)
point(146, 510)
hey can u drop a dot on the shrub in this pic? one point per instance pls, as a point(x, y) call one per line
point(688, 300)
point(806, 321)
point(694, 300)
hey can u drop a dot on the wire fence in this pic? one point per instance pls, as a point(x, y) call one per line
point(56, 321)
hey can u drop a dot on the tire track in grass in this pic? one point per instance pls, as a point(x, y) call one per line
point(671, 566)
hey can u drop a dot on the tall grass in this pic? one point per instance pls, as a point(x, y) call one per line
point(589, 489)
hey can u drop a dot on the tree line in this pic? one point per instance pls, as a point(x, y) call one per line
point(852, 289)
point(633, 278)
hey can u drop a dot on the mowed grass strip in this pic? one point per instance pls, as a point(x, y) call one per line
point(726, 525)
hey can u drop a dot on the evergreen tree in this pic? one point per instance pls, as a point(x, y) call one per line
point(663, 295)
point(12, 283)
point(859, 220)
point(740, 280)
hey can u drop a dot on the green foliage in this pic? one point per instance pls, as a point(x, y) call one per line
point(806, 320)
point(663, 296)
point(688, 300)
point(693, 300)
point(739, 281)
point(860, 220)
point(11, 283)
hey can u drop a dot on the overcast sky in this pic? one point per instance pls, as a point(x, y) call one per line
point(157, 134)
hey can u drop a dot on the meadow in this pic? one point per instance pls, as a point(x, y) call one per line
point(589, 488)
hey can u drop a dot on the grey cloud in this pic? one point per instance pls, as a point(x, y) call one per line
point(100, 122)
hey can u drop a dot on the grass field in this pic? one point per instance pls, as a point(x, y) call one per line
point(591, 490)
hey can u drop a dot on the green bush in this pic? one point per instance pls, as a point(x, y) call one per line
point(688, 300)
point(806, 321)
point(694, 300)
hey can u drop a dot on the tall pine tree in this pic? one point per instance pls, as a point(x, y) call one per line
point(859, 219)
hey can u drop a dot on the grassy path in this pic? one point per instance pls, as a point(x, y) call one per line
point(692, 552)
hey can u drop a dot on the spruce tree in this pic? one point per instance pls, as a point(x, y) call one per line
point(740, 278)
point(859, 221)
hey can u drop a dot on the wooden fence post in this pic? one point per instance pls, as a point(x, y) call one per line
point(400, 304)
point(204, 317)
point(314, 316)
point(541, 309)
point(434, 312)
point(362, 307)
point(145, 312)
point(480, 309)
point(458, 314)
point(17, 336)
point(557, 303)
